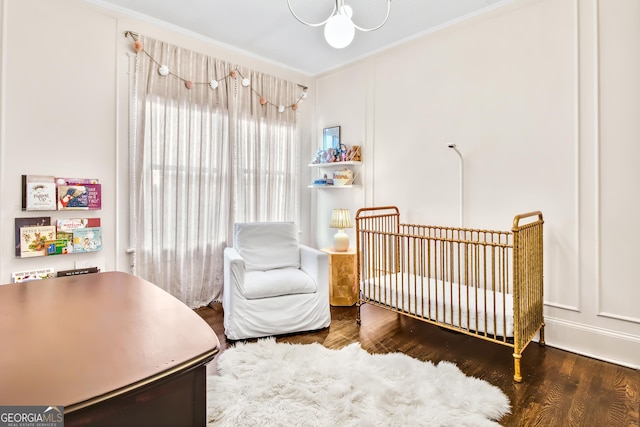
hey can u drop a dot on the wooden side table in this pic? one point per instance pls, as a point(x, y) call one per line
point(343, 277)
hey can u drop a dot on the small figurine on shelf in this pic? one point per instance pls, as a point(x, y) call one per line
point(337, 154)
point(318, 158)
point(328, 156)
point(342, 152)
point(354, 153)
point(333, 155)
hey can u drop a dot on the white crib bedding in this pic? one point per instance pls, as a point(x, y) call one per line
point(408, 288)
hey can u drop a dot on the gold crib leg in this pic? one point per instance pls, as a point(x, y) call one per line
point(516, 367)
point(541, 342)
point(358, 319)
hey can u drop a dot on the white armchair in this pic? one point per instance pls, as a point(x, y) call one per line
point(273, 284)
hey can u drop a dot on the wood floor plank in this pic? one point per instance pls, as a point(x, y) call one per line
point(559, 388)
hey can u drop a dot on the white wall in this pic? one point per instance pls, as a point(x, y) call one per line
point(64, 100)
point(542, 98)
point(58, 115)
point(340, 110)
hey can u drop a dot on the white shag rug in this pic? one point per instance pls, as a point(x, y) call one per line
point(277, 384)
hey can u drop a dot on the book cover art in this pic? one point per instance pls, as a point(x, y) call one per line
point(27, 276)
point(93, 189)
point(76, 181)
point(73, 197)
point(87, 239)
point(26, 222)
point(56, 247)
point(94, 194)
point(32, 240)
point(38, 193)
point(65, 227)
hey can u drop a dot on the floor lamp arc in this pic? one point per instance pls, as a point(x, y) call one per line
point(454, 148)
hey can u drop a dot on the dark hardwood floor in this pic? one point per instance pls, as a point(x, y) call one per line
point(559, 388)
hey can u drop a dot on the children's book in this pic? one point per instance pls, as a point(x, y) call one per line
point(38, 193)
point(56, 247)
point(65, 228)
point(73, 197)
point(78, 271)
point(32, 240)
point(76, 181)
point(27, 276)
point(92, 187)
point(24, 222)
point(87, 239)
point(94, 192)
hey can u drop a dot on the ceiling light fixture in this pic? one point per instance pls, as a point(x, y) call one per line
point(339, 29)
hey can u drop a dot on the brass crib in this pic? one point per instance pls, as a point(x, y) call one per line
point(483, 283)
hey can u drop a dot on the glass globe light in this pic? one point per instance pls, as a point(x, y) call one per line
point(339, 31)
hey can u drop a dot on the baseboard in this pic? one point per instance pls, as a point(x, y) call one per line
point(597, 343)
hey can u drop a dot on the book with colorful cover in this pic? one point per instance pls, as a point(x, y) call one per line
point(87, 239)
point(56, 247)
point(32, 240)
point(27, 276)
point(65, 227)
point(26, 222)
point(76, 181)
point(95, 196)
point(92, 187)
point(73, 197)
point(38, 193)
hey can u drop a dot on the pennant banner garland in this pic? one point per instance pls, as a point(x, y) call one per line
point(163, 70)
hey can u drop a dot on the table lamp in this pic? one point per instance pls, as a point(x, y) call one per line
point(341, 219)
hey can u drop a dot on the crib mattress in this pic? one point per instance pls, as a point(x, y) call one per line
point(474, 309)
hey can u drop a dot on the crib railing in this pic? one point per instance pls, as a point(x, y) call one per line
point(496, 276)
point(528, 275)
point(470, 269)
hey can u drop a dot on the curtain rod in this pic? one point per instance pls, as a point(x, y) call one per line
point(134, 36)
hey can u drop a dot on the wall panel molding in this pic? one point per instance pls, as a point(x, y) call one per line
point(599, 343)
point(577, 140)
point(601, 310)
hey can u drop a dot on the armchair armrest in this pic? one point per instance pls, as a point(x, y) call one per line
point(234, 270)
point(315, 263)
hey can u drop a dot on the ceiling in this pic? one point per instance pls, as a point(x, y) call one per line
point(266, 28)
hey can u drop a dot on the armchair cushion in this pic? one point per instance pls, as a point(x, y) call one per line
point(267, 246)
point(272, 283)
point(277, 282)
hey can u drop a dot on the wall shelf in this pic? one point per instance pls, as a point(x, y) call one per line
point(334, 186)
point(352, 165)
point(334, 165)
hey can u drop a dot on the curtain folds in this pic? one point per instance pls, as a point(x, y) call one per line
point(267, 186)
point(202, 160)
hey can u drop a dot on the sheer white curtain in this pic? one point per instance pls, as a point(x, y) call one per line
point(267, 181)
point(203, 159)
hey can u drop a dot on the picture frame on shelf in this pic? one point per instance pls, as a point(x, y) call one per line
point(331, 137)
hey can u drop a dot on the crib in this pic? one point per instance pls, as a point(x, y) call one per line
point(483, 283)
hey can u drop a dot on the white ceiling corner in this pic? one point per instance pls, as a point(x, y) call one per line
point(266, 29)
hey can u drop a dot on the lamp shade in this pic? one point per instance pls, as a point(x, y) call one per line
point(341, 218)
